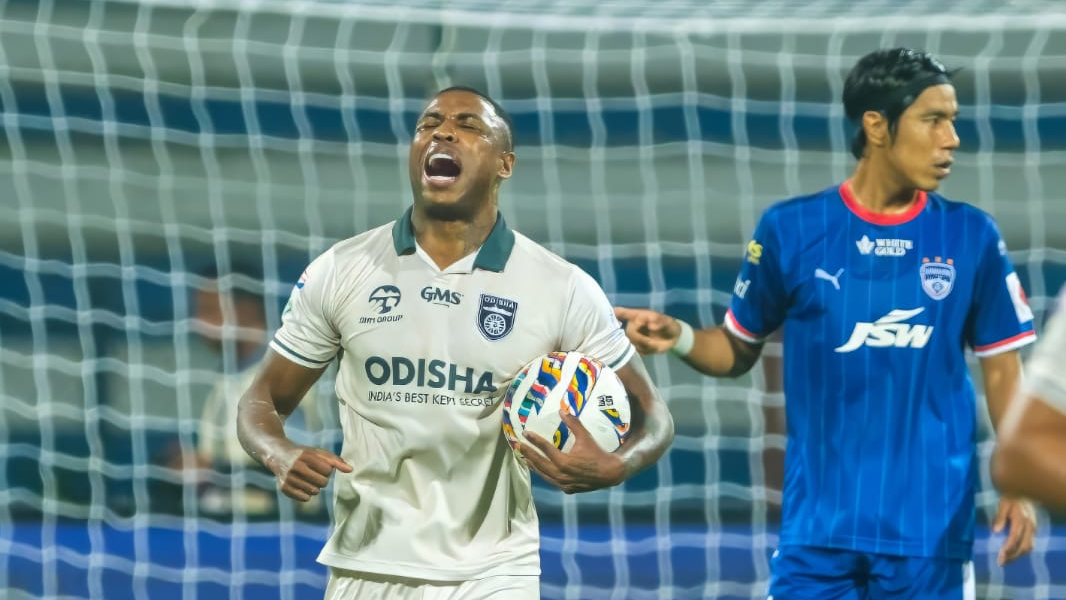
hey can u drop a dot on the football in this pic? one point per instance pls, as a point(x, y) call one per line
point(570, 381)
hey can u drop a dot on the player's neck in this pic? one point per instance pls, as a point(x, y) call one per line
point(878, 192)
point(447, 241)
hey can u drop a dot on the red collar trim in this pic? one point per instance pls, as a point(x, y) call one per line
point(920, 198)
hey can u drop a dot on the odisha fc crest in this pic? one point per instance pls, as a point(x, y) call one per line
point(938, 277)
point(495, 316)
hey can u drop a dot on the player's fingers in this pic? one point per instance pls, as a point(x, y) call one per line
point(338, 463)
point(1009, 550)
point(1025, 545)
point(577, 428)
point(541, 466)
point(624, 313)
point(296, 492)
point(306, 479)
point(1001, 516)
point(549, 450)
point(312, 475)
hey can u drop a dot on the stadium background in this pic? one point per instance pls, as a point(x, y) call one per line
point(145, 139)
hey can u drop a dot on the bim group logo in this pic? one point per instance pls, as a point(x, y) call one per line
point(385, 298)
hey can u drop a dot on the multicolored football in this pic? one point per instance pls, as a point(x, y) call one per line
point(570, 381)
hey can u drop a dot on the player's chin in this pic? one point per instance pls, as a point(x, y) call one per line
point(930, 184)
point(447, 206)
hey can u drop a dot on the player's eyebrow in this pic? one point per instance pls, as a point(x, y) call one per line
point(469, 117)
point(942, 114)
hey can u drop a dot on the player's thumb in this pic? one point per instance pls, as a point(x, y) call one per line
point(623, 313)
point(1001, 517)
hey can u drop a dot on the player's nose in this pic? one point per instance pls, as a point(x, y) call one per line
point(443, 133)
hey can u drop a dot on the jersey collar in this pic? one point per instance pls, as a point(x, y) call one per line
point(492, 256)
point(878, 218)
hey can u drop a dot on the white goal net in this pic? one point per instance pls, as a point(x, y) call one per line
point(154, 147)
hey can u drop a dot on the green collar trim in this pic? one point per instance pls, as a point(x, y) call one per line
point(492, 256)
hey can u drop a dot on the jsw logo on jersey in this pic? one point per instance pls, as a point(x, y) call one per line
point(888, 331)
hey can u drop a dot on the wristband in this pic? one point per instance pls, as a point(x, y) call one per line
point(685, 340)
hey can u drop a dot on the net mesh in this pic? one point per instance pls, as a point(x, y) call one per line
point(149, 143)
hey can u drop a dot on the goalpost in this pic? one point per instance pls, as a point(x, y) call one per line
point(145, 139)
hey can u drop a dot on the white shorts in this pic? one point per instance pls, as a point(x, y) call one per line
point(351, 585)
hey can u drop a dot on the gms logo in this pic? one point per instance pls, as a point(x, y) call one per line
point(435, 295)
point(890, 331)
point(387, 297)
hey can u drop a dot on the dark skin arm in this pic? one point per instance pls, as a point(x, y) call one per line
point(1028, 460)
point(588, 467)
point(1001, 374)
point(301, 471)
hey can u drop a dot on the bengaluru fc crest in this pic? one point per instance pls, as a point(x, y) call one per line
point(495, 316)
point(938, 277)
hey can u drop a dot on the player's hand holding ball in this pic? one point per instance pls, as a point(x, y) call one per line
point(565, 413)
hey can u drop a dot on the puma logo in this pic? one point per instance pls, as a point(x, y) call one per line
point(833, 279)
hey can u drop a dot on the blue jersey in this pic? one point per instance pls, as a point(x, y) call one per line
point(878, 311)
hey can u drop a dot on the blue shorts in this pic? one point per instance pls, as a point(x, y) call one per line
point(806, 573)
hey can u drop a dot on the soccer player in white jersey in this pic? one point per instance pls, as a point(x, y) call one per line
point(432, 315)
point(1030, 458)
point(878, 284)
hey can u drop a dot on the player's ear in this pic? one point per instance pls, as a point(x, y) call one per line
point(506, 165)
point(875, 125)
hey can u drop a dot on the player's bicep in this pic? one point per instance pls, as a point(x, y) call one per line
point(308, 335)
point(638, 385)
point(760, 297)
point(284, 382)
point(1000, 317)
point(589, 324)
point(745, 352)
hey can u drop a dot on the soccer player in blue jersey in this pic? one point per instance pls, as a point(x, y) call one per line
point(879, 284)
point(1030, 457)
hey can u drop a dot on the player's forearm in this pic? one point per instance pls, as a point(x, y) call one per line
point(260, 428)
point(1002, 375)
point(718, 354)
point(651, 434)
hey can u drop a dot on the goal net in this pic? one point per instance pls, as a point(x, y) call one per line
point(157, 151)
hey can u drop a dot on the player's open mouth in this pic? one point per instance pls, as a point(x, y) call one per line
point(441, 168)
point(944, 168)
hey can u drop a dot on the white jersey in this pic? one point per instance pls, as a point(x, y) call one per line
point(436, 492)
point(1045, 376)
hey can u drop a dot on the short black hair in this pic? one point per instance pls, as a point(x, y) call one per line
point(888, 81)
point(499, 110)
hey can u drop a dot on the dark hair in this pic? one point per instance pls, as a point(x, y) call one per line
point(500, 112)
point(888, 81)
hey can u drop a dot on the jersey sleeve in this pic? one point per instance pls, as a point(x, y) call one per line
point(1000, 318)
point(759, 303)
point(307, 335)
point(590, 325)
point(1045, 377)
